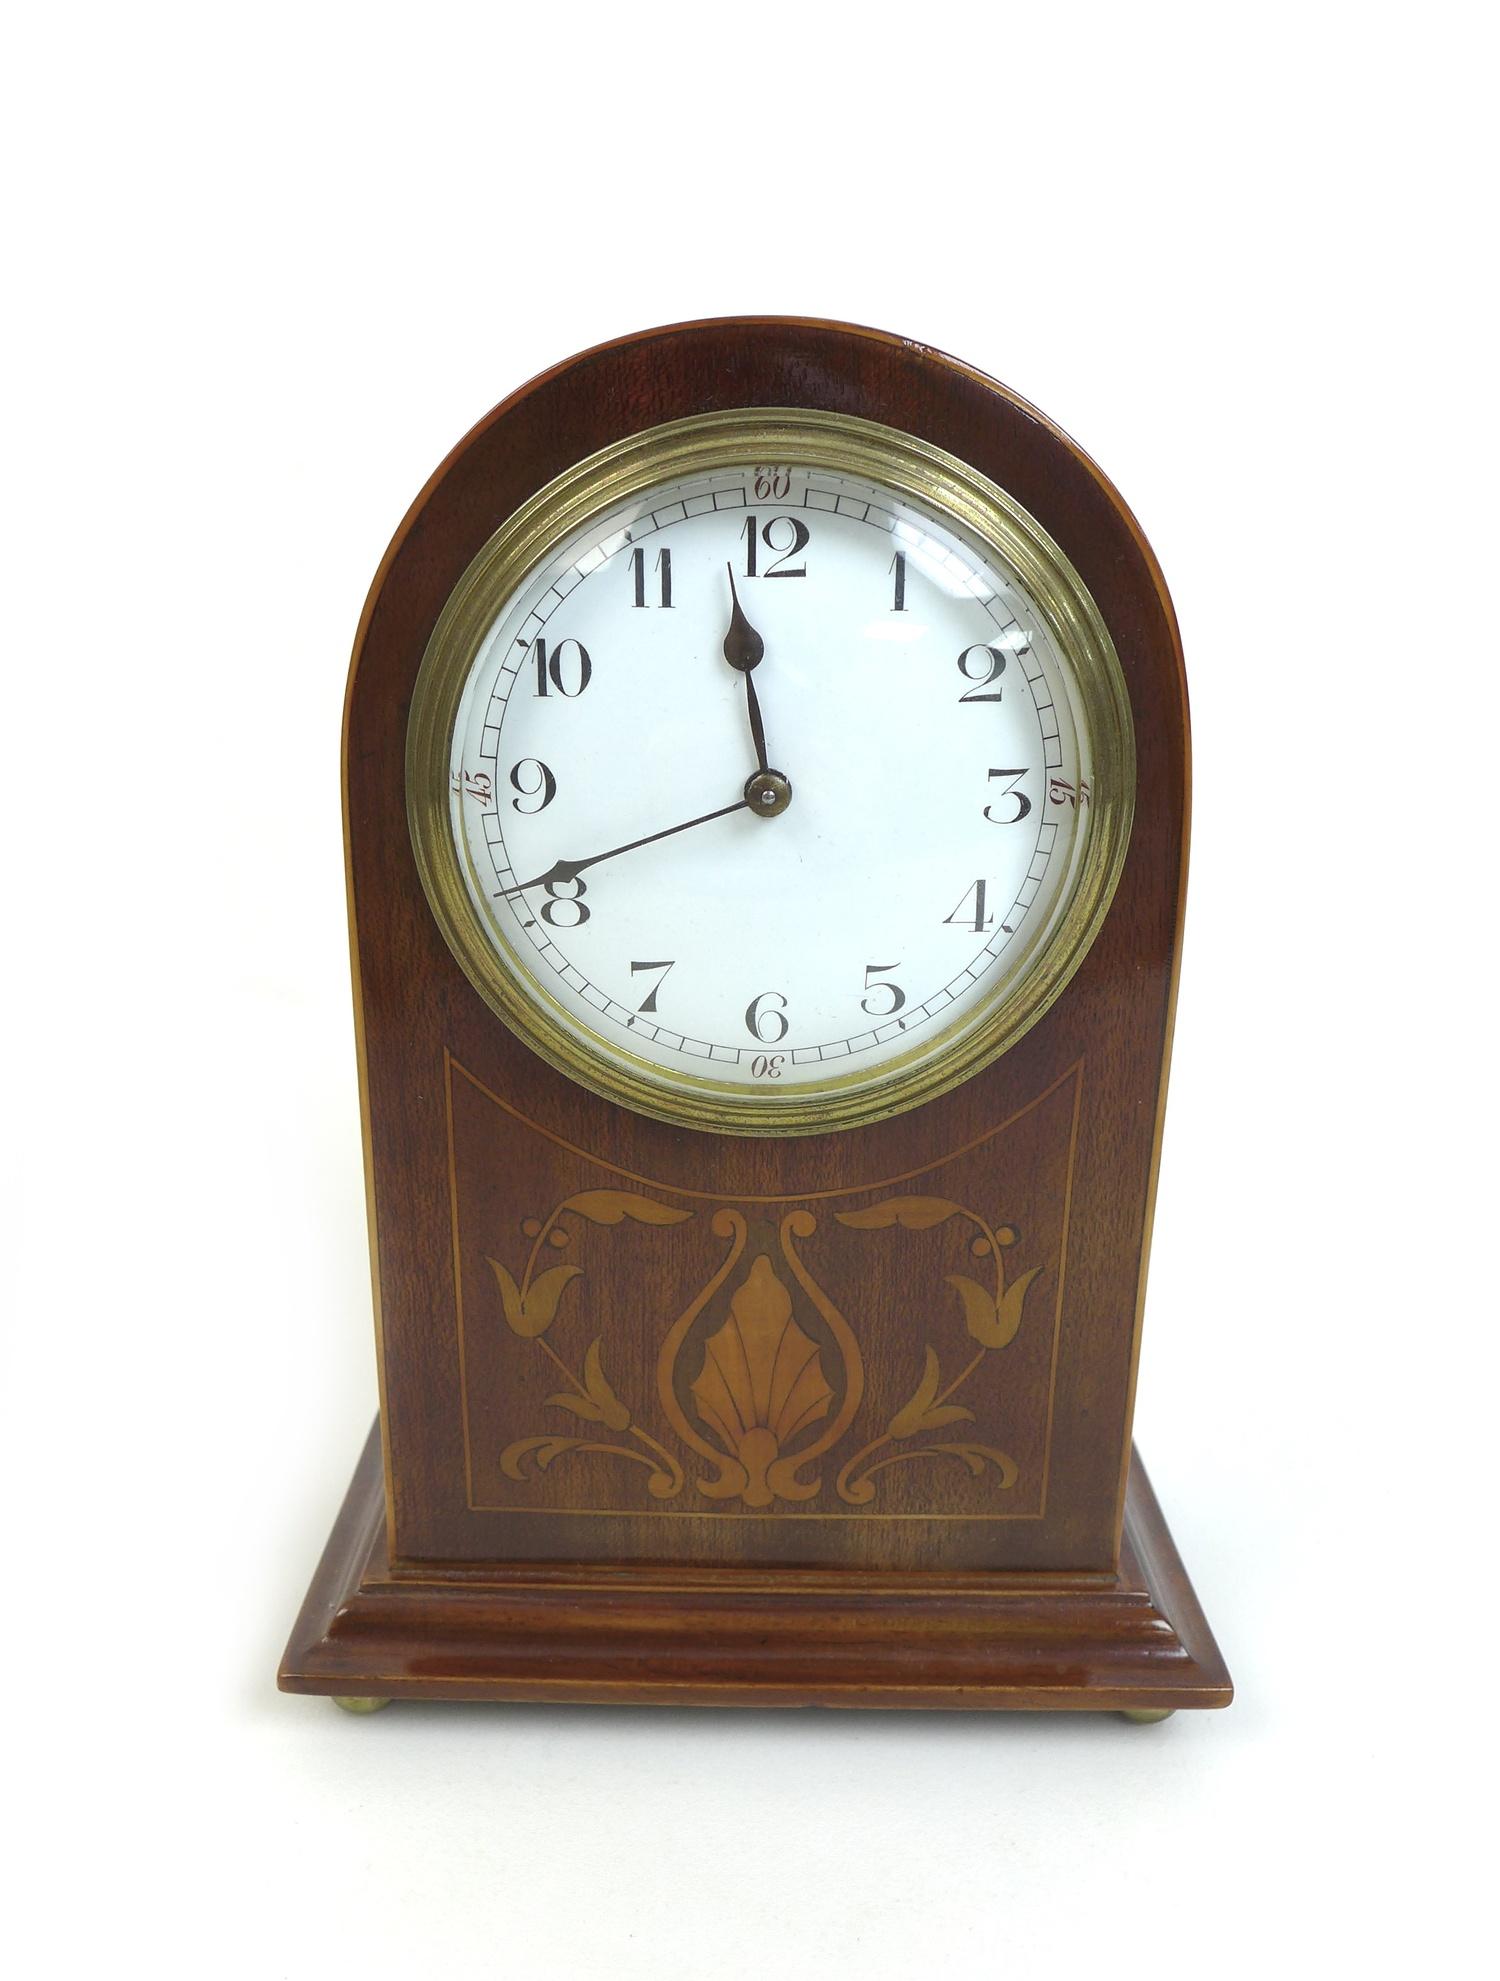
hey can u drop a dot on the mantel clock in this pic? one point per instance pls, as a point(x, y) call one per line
point(765, 778)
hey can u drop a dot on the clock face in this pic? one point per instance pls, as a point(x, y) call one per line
point(772, 781)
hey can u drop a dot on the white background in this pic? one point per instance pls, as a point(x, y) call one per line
point(266, 265)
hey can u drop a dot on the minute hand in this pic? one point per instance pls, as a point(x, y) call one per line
point(565, 870)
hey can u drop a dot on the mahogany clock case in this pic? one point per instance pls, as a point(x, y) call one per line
point(998, 1549)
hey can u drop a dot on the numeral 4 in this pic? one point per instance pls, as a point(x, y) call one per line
point(971, 912)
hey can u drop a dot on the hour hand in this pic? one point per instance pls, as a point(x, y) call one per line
point(768, 792)
point(743, 646)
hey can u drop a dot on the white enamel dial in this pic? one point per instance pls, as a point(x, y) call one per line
point(685, 918)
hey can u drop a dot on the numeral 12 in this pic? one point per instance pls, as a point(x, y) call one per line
point(801, 536)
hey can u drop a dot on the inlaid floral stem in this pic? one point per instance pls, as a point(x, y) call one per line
point(962, 1377)
point(536, 1245)
point(547, 1348)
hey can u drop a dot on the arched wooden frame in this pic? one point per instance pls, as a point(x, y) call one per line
point(457, 1565)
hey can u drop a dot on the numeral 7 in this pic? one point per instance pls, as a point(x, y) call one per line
point(648, 1003)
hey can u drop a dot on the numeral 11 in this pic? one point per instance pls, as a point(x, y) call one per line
point(663, 572)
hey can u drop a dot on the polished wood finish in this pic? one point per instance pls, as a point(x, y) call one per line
point(598, 1547)
point(620, 1634)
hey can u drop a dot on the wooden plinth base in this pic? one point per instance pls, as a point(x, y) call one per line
point(596, 1634)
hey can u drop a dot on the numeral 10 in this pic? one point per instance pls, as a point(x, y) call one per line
point(568, 672)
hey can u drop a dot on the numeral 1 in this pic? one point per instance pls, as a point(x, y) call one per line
point(898, 565)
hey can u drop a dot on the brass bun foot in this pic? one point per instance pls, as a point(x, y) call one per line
point(360, 1705)
point(1139, 1715)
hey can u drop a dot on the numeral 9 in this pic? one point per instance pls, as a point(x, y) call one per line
point(539, 783)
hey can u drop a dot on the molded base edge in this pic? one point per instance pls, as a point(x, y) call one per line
point(607, 1634)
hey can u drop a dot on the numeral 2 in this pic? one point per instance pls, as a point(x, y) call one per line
point(992, 661)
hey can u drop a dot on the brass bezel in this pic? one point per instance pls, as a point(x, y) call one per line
point(804, 438)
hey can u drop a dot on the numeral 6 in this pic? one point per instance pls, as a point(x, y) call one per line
point(769, 1025)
